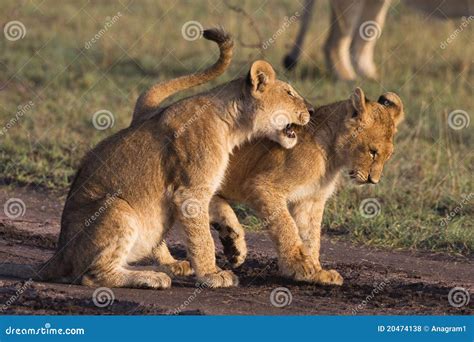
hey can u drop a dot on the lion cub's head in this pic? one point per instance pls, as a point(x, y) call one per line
point(276, 106)
point(368, 142)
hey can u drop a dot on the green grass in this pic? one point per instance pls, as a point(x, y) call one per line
point(425, 180)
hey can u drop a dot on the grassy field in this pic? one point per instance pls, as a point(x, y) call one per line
point(78, 58)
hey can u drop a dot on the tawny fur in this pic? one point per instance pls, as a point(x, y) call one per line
point(355, 28)
point(288, 189)
point(162, 172)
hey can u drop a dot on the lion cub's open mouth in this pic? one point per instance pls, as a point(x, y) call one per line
point(289, 131)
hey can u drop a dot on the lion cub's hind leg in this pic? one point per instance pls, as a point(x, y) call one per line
point(168, 264)
point(231, 233)
point(114, 234)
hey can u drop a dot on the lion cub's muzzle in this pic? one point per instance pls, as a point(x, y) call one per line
point(303, 118)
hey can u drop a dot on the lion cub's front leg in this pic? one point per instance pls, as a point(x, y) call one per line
point(308, 216)
point(192, 215)
point(294, 259)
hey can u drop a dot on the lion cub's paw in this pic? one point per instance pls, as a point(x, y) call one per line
point(219, 279)
point(177, 269)
point(153, 280)
point(304, 270)
point(300, 267)
point(235, 250)
point(328, 277)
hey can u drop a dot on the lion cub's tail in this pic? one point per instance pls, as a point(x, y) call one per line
point(50, 270)
point(150, 100)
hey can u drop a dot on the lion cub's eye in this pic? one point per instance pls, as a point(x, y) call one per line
point(373, 153)
point(290, 93)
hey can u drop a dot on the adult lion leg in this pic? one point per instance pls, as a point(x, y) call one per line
point(231, 233)
point(308, 216)
point(370, 27)
point(168, 264)
point(344, 18)
point(290, 60)
point(192, 215)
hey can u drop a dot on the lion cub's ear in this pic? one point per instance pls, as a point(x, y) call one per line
point(261, 75)
point(358, 102)
point(394, 105)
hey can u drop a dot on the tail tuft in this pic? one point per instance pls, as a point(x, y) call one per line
point(218, 35)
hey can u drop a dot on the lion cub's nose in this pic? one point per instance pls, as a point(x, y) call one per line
point(311, 111)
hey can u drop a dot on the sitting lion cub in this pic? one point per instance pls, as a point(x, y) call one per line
point(289, 188)
point(164, 171)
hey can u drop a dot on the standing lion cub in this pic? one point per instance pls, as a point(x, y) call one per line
point(163, 172)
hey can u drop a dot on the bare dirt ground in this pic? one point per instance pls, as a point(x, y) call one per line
point(407, 283)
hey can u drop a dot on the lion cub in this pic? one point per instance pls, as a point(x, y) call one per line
point(289, 188)
point(163, 172)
